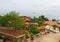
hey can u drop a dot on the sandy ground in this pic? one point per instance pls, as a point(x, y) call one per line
point(51, 37)
point(1, 40)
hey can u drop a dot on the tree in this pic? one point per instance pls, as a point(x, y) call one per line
point(53, 19)
point(34, 30)
point(42, 16)
point(12, 19)
point(46, 19)
point(40, 20)
point(34, 19)
point(15, 21)
point(3, 21)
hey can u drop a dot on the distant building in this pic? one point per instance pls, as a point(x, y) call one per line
point(51, 28)
point(52, 23)
point(27, 25)
point(35, 24)
point(27, 18)
point(41, 28)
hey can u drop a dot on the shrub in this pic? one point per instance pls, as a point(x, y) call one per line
point(59, 28)
point(33, 30)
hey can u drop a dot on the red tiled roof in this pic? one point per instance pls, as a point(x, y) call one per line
point(53, 23)
point(28, 18)
point(41, 27)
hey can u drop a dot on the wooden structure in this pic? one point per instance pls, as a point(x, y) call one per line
point(12, 35)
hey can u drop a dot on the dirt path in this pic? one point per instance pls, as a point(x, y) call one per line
point(0, 40)
point(51, 37)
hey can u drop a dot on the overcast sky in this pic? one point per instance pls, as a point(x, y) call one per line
point(49, 8)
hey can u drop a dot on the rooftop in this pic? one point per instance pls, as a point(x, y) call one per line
point(52, 23)
point(41, 27)
point(11, 32)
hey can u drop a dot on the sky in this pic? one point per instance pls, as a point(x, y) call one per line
point(49, 8)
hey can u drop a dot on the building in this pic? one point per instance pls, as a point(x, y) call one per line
point(52, 23)
point(42, 29)
point(11, 35)
point(28, 18)
point(27, 25)
point(34, 24)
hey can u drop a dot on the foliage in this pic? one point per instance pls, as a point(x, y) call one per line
point(53, 19)
point(40, 20)
point(33, 30)
point(34, 19)
point(58, 28)
point(12, 19)
point(3, 21)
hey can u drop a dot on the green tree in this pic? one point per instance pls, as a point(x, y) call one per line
point(12, 19)
point(34, 30)
point(42, 16)
point(40, 20)
point(53, 19)
point(3, 21)
point(34, 19)
point(46, 19)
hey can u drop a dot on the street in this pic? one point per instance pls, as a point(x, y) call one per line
point(51, 37)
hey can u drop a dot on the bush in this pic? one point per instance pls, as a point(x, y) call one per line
point(33, 30)
point(59, 28)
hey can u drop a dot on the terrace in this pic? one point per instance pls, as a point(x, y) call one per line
point(12, 35)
